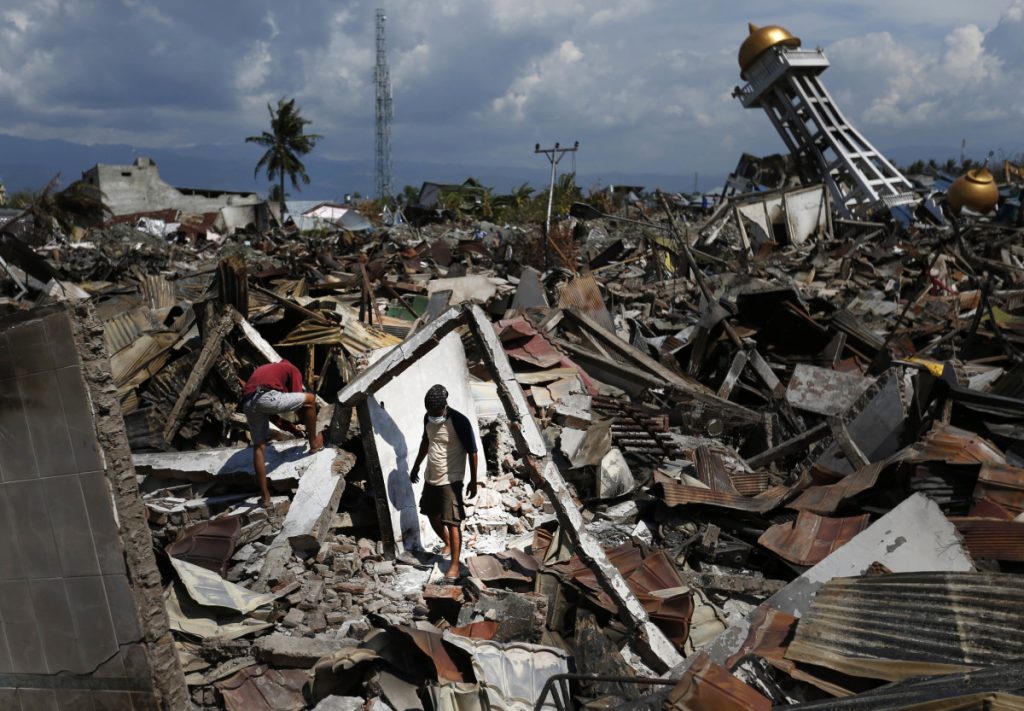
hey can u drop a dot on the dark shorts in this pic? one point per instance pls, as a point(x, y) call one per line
point(443, 502)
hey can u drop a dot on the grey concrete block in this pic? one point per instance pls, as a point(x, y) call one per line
point(122, 608)
point(109, 550)
point(78, 415)
point(60, 340)
point(17, 461)
point(29, 350)
point(28, 509)
point(47, 426)
point(56, 626)
point(91, 615)
point(19, 618)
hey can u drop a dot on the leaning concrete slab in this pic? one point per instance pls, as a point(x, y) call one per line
point(657, 650)
point(285, 460)
point(915, 536)
point(309, 516)
point(396, 414)
point(82, 619)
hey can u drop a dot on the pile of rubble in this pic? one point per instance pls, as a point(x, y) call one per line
point(733, 460)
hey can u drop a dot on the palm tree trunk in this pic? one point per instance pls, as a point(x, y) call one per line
point(281, 195)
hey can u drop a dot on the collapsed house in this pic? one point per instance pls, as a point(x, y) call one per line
point(765, 457)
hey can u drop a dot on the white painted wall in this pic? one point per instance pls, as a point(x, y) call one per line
point(396, 411)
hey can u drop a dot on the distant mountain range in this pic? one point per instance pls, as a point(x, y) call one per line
point(30, 164)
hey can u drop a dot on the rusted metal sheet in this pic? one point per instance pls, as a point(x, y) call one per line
point(259, 688)
point(811, 538)
point(431, 644)
point(681, 495)
point(943, 443)
point(158, 292)
point(707, 685)
point(770, 632)
point(1004, 485)
point(712, 470)
point(477, 630)
point(583, 294)
point(992, 538)
point(953, 445)
point(903, 625)
point(750, 483)
point(208, 544)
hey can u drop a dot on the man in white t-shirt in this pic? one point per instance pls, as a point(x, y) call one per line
point(447, 443)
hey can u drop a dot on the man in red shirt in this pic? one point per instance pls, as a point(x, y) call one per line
point(271, 390)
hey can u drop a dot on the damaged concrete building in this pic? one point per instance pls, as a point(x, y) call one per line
point(766, 457)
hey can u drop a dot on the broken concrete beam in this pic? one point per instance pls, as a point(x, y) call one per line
point(207, 358)
point(657, 651)
point(309, 518)
point(280, 650)
point(725, 582)
point(401, 357)
point(284, 461)
point(509, 391)
point(914, 536)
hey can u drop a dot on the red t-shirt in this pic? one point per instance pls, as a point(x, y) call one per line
point(281, 376)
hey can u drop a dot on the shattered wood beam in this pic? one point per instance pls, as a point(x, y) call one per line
point(289, 304)
point(403, 356)
point(694, 391)
point(739, 362)
point(207, 358)
point(254, 337)
point(657, 650)
point(790, 446)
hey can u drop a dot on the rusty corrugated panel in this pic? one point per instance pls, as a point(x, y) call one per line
point(208, 544)
point(158, 292)
point(898, 626)
point(477, 630)
point(811, 538)
point(712, 470)
point(709, 686)
point(431, 644)
point(992, 689)
point(769, 635)
point(681, 495)
point(750, 483)
point(992, 538)
point(260, 688)
point(953, 445)
point(1004, 485)
point(584, 295)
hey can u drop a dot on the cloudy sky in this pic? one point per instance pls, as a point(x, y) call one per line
point(644, 85)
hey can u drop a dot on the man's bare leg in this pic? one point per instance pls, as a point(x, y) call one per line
point(316, 440)
point(442, 532)
point(455, 537)
point(260, 465)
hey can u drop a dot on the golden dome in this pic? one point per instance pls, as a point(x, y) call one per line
point(976, 189)
point(761, 39)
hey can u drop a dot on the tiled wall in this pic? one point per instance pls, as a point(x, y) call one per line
point(69, 630)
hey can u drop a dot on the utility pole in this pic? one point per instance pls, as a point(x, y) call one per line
point(383, 113)
point(554, 155)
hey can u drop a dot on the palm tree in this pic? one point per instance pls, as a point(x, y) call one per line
point(285, 142)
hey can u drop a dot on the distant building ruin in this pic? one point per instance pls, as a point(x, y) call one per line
point(129, 189)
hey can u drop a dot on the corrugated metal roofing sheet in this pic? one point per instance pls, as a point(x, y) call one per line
point(811, 538)
point(992, 538)
point(937, 693)
point(707, 685)
point(903, 625)
point(681, 495)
